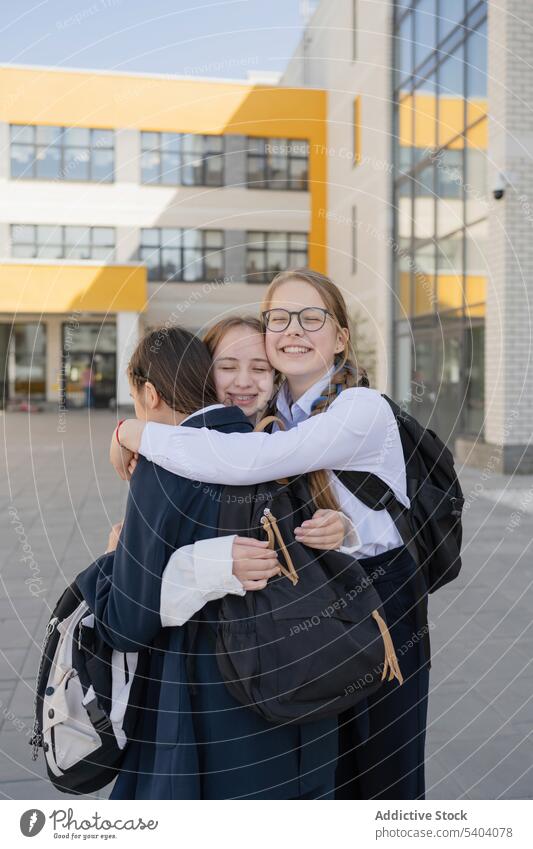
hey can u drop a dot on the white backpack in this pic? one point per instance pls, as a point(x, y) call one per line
point(86, 699)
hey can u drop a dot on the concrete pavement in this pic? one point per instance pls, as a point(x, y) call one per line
point(60, 499)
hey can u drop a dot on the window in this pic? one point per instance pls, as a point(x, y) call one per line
point(354, 239)
point(425, 23)
point(354, 29)
point(277, 164)
point(62, 242)
point(62, 153)
point(188, 255)
point(268, 253)
point(357, 131)
point(403, 48)
point(451, 13)
point(175, 159)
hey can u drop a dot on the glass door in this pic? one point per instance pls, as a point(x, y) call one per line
point(89, 365)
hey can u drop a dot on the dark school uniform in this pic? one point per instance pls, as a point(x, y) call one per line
point(192, 742)
point(387, 761)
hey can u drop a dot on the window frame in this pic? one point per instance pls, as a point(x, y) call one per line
point(183, 249)
point(62, 244)
point(267, 183)
point(184, 157)
point(62, 146)
point(264, 275)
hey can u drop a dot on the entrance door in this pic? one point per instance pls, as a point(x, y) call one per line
point(89, 365)
point(22, 363)
point(90, 379)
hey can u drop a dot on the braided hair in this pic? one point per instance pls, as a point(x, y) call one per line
point(346, 374)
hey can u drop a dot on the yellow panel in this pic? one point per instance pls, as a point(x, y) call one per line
point(403, 305)
point(43, 288)
point(477, 311)
point(357, 131)
point(425, 121)
point(450, 292)
point(451, 121)
point(476, 289)
point(405, 121)
point(475, 109)
point(424, 294)
point(188, 105)
point(478, 136)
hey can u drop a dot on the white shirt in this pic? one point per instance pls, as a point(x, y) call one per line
point(357, 432)
point(377, 531)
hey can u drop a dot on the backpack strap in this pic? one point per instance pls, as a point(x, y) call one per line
point(377, 495)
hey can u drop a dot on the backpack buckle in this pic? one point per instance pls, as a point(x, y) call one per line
point(387, 498)
point(98, 717)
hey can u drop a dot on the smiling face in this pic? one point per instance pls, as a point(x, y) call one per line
point(243, 376)
point(303, 356)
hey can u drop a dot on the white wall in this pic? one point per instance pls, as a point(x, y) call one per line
point(327, 62)
point(128, 333)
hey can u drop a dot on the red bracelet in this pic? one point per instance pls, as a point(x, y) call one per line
point(117, 430)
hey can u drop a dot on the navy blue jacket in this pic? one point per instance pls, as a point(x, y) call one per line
point(188, 747)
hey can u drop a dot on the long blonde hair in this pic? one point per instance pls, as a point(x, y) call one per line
point(347, 373)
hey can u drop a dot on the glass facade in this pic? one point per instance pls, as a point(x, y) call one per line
point(187, 255)
point(441, 206)
point(176, 159)
point(62, 153)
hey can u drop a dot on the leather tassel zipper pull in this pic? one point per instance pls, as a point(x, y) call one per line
point(270, 526)
point(390, 664)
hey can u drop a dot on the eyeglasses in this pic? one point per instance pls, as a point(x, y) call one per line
point(310, 318)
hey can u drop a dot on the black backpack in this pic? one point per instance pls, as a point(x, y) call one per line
point(314, 642)
point(86, 699)
point(431, 528)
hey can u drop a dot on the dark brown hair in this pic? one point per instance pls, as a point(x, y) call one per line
point(178, 365)
point(347, 373)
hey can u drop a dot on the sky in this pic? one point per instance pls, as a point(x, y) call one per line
point(213, 38)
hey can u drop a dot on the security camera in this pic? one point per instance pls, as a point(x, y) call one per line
point(500, 184)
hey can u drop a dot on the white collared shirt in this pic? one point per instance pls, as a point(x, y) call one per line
point(357, 432)
point(376, 530)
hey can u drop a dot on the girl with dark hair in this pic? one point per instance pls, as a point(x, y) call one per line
point(334, 421)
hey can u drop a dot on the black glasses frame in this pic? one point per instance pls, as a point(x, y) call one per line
point(265, 315)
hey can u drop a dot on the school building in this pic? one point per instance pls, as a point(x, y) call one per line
point(430, 205)
point(128, 201)
point(393, 154)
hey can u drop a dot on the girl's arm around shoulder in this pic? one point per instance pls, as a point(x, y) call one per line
point(351, 433)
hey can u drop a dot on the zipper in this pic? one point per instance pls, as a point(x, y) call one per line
point(270, 526)
point(37, 734)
